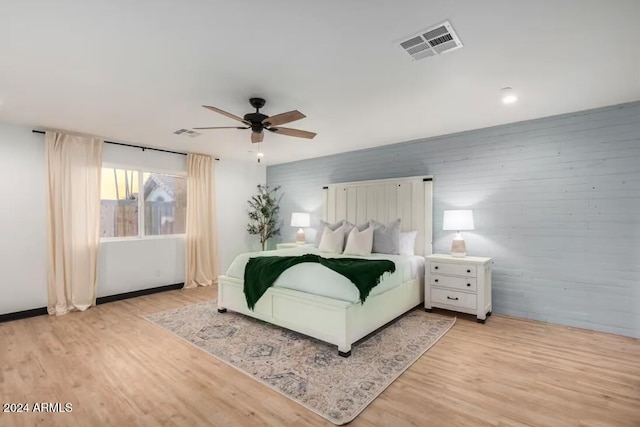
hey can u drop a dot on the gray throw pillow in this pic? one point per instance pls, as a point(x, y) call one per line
point(323, 224)
point(386, 238)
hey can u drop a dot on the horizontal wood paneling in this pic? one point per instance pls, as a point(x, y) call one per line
point(556, 204)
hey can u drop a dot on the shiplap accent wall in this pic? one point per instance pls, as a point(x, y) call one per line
point(556, 203)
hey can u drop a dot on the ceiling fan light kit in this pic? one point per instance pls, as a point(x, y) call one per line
point(259, 122)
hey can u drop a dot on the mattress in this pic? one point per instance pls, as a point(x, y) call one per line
point(316, 279)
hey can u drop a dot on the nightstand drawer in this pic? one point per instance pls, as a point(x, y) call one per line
point(468, 284)
point(457, 269)
point(457, 299)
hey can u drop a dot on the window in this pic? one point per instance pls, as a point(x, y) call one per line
point(165, 204)
point(119, 203)
point(159, 209)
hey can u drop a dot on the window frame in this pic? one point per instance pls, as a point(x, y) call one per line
point(141, 236)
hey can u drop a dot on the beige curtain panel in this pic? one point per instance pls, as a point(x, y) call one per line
point(73, 220)
point(201, 268)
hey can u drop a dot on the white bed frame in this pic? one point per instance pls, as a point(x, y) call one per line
point(335, 321)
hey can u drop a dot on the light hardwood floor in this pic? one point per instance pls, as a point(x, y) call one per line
point(119, 370)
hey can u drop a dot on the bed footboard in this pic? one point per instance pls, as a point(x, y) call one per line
point(334, 321)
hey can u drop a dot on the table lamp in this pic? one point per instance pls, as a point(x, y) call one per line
point(300, 220)
point(458, 220)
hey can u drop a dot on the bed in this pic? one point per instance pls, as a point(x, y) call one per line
point(327, 307)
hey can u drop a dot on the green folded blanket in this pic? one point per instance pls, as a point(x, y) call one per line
point(261, 272)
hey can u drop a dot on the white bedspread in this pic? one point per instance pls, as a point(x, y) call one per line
point(316, 279)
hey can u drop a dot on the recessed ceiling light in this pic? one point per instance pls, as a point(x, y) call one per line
point(508, 95)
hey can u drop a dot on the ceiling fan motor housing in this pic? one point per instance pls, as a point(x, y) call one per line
point(256, 118)
point(256, 121)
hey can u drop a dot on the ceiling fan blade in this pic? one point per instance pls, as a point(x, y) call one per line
point(294, 132)
point(257, 137)
point(224, 113)
point(224, 127)
point(280, 119)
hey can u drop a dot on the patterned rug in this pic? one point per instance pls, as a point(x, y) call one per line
point(305, 369)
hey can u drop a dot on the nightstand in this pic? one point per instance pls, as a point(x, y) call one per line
point(293, 245)
point(459, 284)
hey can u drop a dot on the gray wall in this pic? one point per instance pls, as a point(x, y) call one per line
point(556, 203)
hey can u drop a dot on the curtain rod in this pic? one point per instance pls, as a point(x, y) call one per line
point(134, 146)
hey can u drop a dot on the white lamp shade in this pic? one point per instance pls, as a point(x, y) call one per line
point(300, 219)
point(458, 220)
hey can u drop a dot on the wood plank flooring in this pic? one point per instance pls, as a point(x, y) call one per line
point(117, 369)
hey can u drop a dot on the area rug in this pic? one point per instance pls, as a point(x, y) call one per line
point(304, 369)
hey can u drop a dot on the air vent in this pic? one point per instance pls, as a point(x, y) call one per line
point(433, 41)
point(187, 132)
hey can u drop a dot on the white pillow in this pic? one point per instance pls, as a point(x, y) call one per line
point(348, 227)
point(322, 226)
point(332, 241)
point(359, 242)
point(408, 243)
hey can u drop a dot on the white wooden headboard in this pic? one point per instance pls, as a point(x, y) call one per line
point(385, 200)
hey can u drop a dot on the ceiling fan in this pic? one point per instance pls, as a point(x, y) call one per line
point(259, 122)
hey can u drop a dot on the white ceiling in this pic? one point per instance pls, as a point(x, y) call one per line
point(136, 71)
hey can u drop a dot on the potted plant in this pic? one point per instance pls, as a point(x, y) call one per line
point(263, 214)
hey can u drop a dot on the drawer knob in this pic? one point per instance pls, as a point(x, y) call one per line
point(455, 299)
point(436, 267)
point(468, 271)
point(436, 280)
point(468, 284)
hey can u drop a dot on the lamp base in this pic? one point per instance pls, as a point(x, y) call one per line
point(458, 247)
point(300, 237)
